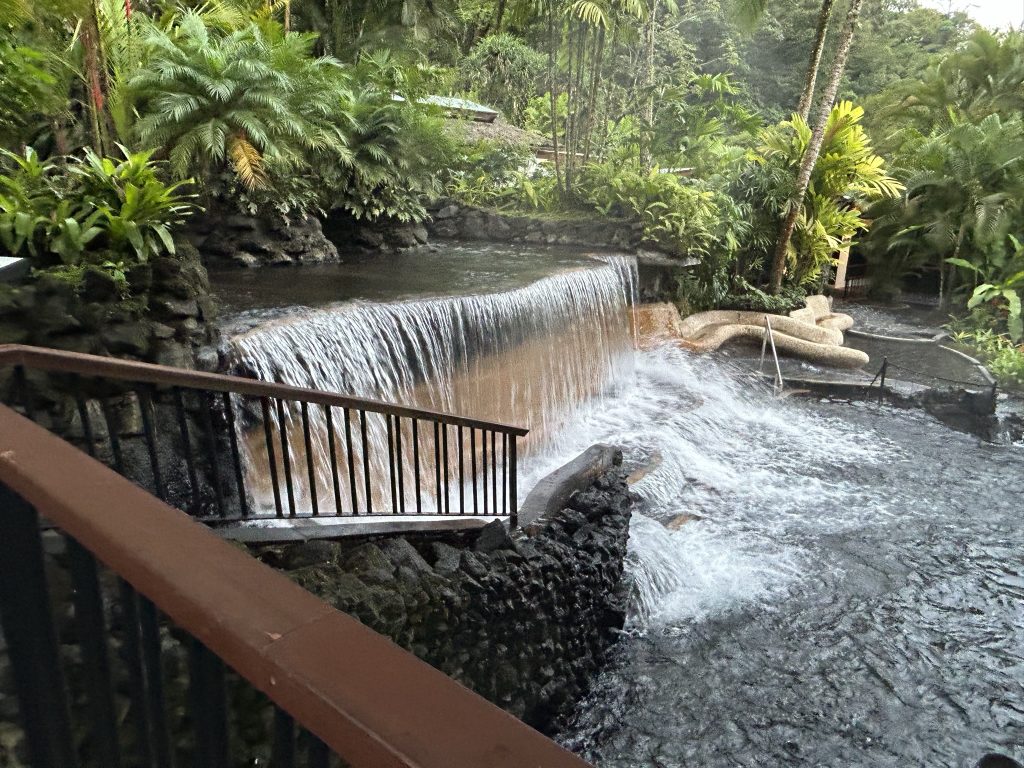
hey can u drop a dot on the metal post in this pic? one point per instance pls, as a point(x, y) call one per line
point(31, 637)
point(513, 505)
point(881, 383)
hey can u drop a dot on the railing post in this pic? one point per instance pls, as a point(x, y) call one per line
point(513, 504)
point(31, 637)
point(881, 383)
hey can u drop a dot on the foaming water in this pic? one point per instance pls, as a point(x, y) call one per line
point(528, 356)
point(724, 503)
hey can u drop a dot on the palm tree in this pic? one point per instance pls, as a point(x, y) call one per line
point(211, 98)
point(810, 158)
point(824, 15)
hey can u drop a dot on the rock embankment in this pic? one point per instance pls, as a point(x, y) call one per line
point(523, 621)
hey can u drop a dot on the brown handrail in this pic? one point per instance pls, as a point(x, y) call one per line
point(60, 361)
point(370, 701)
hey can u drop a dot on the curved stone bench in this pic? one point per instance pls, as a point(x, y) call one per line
point(696, 326)
point(824, 353)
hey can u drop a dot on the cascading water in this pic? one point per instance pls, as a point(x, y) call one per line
point(528, 356)
point(814, 583)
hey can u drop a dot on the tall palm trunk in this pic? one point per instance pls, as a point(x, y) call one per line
point(804, 110)
point(553, 89)
point(810, 159)
point(648, 112)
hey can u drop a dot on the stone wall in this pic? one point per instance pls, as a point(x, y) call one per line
point(249, 241)
point(453, 220)
point(525, 621)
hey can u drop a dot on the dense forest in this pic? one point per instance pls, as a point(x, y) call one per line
point(757, 137)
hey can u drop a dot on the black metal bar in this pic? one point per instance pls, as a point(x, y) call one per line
point(83, 415)
point(115, 439)
point(351, 460)
point(318, 756)
point(149, 432)
point(268, 434)
point(399, 460)
point(209, 707)
point(31, 637)
point(283, 750)
point(494, 474)
point(462, 472)
point(447, 470)
point(153, 669)
point(483, 466)
point(504, 472)
point(881, 384)
point(513, 506)
point(90, 624)
point(186, 447)
point(416, 463)
point(136, 674)
point(437, 465)
point(472, 467)
point(285, 457)
point(310, 463)
point(24, 394)
point(211, 444)
point(236, 458)
point(391, 463)
point(334, 460)
point(366, 464)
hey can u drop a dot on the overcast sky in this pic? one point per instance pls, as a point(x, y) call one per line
point(991, 13)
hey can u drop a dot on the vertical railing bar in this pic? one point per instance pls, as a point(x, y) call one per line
point(513, 507)
point(92, 633)
point(21, 385)
point(391, 462)
point(154, 683)
point(211, 443)
point(115, 439)
point(83, 415)
point(285, 456)
point(25, 613)
point(494, 473)
point(136, 673)
point(399, 459)
point(268, 434)
point(209, 706)
point(179, 407)
point(447, 470)
point(504, 472)
point(283, 750)
point(333, 449)
point(318, 756)
point(367, 486)
point(462, 472)
point(416, 463)
point(437, 466)
point(236, 457)
point(149, 431)
point(472, 467)
point(351, 460)
point(307, 441)
point(483, 466)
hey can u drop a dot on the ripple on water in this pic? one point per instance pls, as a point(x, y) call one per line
point(853, 594)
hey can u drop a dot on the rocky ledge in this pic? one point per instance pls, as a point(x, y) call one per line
point(524, 620)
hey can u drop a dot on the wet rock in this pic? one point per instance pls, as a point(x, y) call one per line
point(494, 536)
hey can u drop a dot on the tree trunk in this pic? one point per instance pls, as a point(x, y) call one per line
point(553, 90)
point(499, 16)
point(810, 159)
point(648, 112)
point(804, 110)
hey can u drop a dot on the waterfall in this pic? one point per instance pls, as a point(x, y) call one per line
point(528, 356)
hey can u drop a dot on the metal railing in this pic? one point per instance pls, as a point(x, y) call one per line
point(137, 637)
point(227, 448)
point(769, 337)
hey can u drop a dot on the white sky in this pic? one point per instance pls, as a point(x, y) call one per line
point(991, 13)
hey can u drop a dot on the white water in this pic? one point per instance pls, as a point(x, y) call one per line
point(744, 462)
point(528, 357)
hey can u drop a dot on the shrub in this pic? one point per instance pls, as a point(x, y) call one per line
point(88, 211)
